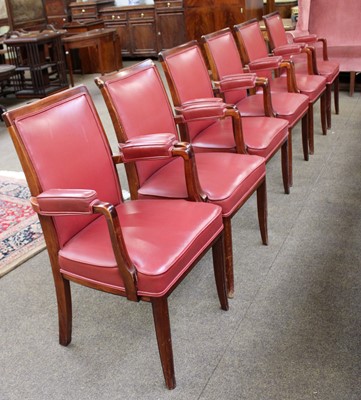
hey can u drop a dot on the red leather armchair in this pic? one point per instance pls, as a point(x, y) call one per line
point(140, 250)
point(225, 179)
point(188, 79)
point(226, 65)
point(254, 53)
point(279, 45)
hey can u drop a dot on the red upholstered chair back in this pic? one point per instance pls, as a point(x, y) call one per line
point(252, 44)
point(224, 59)
point(276, 31)
point(78, 155)
point(188, 78)
point(139, 112)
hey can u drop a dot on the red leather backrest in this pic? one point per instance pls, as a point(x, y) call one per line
point(190, 77)
point(276, 30)
point(143, 108)
point(253, 40)
point(68, 149)
point(227, 60)
point(190, 74)
point(253, 43)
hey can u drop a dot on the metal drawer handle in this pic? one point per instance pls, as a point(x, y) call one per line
point(113, 16)
point(168, 4)
point(142, 15)
point(83, 11)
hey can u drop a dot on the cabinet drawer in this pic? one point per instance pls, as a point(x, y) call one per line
point(85, 11)
point(115, 16)
point(168, 4)
point(140, 15)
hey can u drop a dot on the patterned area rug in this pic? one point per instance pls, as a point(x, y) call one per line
point(21, 236)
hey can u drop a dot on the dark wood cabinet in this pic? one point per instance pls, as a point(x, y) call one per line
point(136, 29)
point(57, 12)
point(142, 32)
point(207, 16)
point(88, 10)
point(169, 23)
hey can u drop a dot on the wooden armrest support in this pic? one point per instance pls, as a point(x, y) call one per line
point(153, 146)
point(56, 202)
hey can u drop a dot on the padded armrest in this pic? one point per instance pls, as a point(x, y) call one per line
point(311, 38)
point(265, 63)
point(153, 146)
point(288, 49)
point(56, 202)
point(202, 109)
point(201, 101)
point(237, 81)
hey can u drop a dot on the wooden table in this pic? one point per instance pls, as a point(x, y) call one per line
point(106, 43)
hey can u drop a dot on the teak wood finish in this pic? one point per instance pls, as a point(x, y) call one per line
point(126, 267)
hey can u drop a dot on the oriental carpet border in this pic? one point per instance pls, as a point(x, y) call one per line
point(21, 236)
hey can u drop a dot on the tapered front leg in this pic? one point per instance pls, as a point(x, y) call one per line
point(305, 136)
point(220, 274)
point(262, 211)
point(63, 296)
point(285, 167)
point(163, 334)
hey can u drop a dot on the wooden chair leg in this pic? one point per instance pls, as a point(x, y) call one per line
point(285, 167)
point(220, 271)
point(336, 92)
point(163, 334)
point(323, 104)
point(328, 104)
point(262, 211)
point(63, 296)
point(229, 256)
point(290, 158)
point(311, 143)
point(305, 127)
point(352, 82)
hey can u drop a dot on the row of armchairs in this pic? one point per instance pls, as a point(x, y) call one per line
point(208, 149)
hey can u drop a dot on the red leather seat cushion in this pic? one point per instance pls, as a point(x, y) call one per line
point(263, 135)
point(310, 85)
point(290, 106)
point(328, 69)
point(163, 239)
point(226, 178)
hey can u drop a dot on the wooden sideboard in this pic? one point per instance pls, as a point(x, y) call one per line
point(57, 12)
point(136, 29)
point(144, 30)
point(207, 16)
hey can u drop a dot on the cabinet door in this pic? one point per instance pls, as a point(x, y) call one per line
point(123, 33)
point(143, 38)
point(170, 29)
